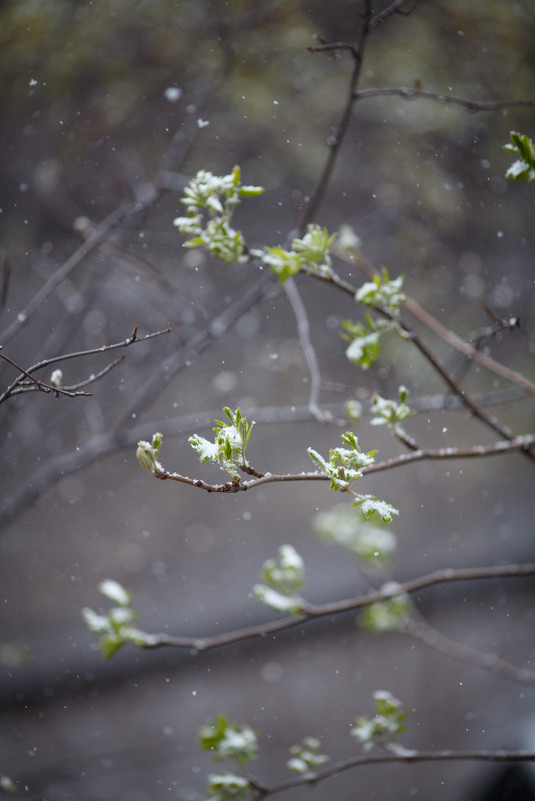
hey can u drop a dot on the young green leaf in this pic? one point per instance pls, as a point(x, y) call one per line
point(524, 167)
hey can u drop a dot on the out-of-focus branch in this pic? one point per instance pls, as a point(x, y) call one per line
point(417, 94)
point(303, 330)
point(94, 239)
point(393, 8)
point(420, 629)
point(173, 426)
point(437, 328)
point(335, 141)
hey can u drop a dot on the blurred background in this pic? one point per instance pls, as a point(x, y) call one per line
point(104, 110)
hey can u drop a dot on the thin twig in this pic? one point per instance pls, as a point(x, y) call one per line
point(86, 382)
point(416, 94)
point(335, 142)
point(420, 629)
point(393, 8)
point(96, 236)
point(12, 389)
point(303, 330)
point(37, 384)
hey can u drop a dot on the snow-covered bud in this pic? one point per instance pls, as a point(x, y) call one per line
point(146, 456)
point(56, 378)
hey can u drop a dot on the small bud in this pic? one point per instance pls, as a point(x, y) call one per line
point(56, 378)
point(146, 456)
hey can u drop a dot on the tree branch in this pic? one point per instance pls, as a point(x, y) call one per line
point(303, 330)
point(418, 628)
point(517, 443)
point(311, 612)
point(417, 94)
point(19, 385)
point(406, 756)
point(335, 142)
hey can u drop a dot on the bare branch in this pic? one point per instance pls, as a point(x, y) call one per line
point(19, 385)
point(421, 630)
point(393, 8)
point(24, 387)
point(335, 142)
point(6, 276)
point(303, 330)
point(416, 94)
point(37, 384)
point(96, 236)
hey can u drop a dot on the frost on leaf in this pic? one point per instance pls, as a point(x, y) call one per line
point(524, 167)
point(226, 740)
point(281, 582)
point(389, 412)
point(370, 505)
point(115, 592)
point(309, 253)
point(231, 438)
point(382, 293)
point(210, 202)
point(364, 340)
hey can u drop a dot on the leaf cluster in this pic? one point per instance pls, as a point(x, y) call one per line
point(229, 445)
point(365, 339)
point(381, 729)
point(226, 740)
point(344, 465)
point(281, 582)
point(524, 168)
point(217, 198)
point(115, 626)
point(309, 253)
point(382, 293)
point(391, 413)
